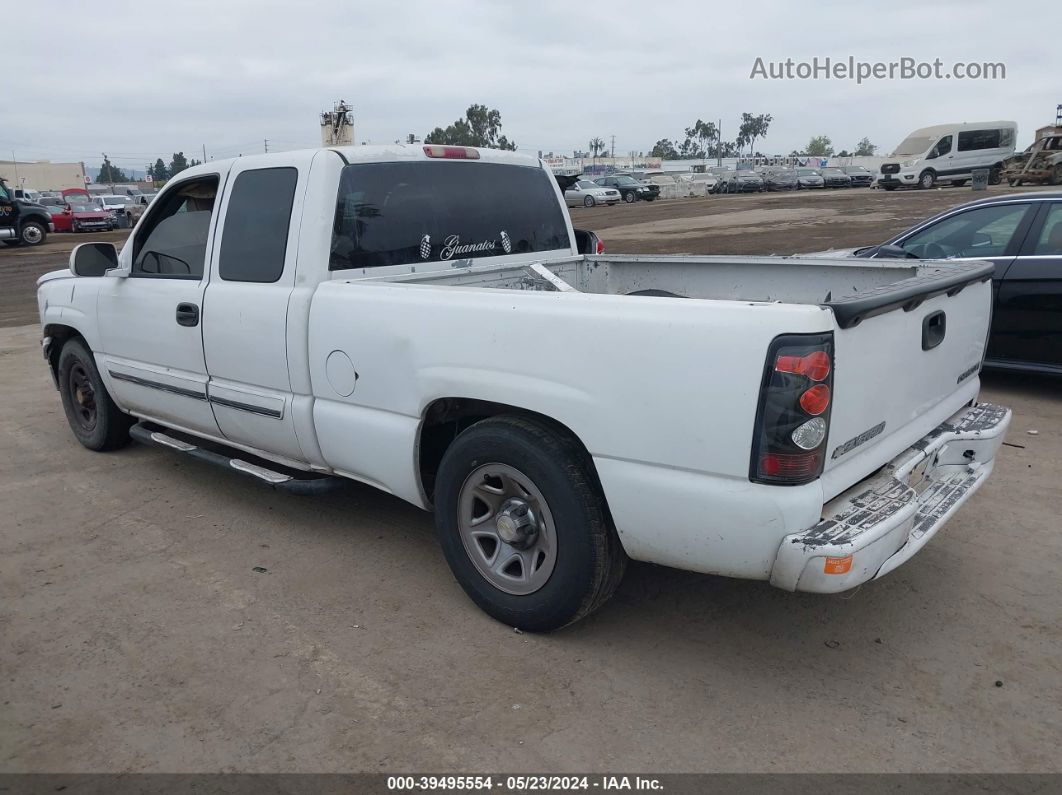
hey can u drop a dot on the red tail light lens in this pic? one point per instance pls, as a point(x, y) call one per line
point(600, 246)
point(815, 365)
point(816, 400)
point(791, 465)
point(452, 152)
point(789, 447)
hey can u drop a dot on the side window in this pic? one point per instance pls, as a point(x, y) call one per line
point(942, 148)
point(255, 238)
point(984, 232)
point(171, 243)
point(978, 139)
point(1050, 242)
point(3, 193)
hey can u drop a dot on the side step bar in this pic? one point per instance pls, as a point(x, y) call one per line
point(303, 484)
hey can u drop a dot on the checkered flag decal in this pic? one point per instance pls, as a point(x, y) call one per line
point(425, 247)
point(507, 244)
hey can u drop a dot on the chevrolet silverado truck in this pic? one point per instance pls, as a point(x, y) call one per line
point(423, 319)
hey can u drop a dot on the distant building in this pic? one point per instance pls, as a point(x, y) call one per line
point(42, 174)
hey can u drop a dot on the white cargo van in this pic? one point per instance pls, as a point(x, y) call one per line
point(949, 153)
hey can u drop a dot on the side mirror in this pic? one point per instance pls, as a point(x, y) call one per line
point(93, 259)
point(890, 251)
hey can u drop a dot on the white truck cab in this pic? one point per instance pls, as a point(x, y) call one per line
point(949, 153)
point(423, 320)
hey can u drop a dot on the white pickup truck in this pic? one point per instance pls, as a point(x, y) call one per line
point(421, 319)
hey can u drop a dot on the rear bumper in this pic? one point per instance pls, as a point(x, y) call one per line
point(881, 522)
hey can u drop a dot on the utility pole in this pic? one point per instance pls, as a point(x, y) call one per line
point(204, 153)
point(15, 164)
point(719, 144)
point(612, 151)
point(265, 143)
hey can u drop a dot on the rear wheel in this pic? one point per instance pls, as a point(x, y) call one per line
point(524, 526)
point(94, 418)
point(589, 201)
point(629, 197)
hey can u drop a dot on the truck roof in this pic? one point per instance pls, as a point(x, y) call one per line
point(372, 153)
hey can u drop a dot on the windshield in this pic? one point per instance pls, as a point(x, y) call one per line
point(915, 145)
point(808, 172)
point(627, 181)
point(585, 183)
point(117, 200)
point(856, 170)
point(832, 171)
point(79, 206)
point(405, 213)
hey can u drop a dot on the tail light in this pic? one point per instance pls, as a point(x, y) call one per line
point(600, 247)
point(452, 152)
point(793, 417)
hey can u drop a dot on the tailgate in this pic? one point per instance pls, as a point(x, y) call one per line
point(907, 357)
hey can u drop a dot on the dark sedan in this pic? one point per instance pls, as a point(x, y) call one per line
point(779, 179)
point(861, 178)
point(630, 189)
point(1022, 236)
point(743, 181)
point(835, 178)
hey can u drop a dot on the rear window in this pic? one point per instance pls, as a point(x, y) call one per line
point(404, 213)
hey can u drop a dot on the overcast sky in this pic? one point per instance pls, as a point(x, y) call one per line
point(145, 79)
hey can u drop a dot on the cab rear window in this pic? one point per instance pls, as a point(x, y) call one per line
point(410, 212)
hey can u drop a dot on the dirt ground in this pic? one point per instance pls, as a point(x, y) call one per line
point(136, 634)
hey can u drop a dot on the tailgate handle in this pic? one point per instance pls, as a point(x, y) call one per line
point(934, 326)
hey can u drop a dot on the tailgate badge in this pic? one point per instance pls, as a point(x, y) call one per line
point(863, 438)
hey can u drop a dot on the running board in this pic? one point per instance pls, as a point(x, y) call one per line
point(290, 480)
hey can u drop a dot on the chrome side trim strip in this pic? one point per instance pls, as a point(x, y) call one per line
point(176, 390)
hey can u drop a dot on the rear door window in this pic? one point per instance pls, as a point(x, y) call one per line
point(410, 212)
point(255, 238)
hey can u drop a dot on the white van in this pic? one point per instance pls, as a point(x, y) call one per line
point(949, 153)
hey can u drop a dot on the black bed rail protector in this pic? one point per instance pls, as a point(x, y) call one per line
point(939, 278)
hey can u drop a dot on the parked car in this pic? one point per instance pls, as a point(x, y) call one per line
point(859, 176)
point(743, 181)
point(809, 178)
point(1021, 235)
point(630, 189)
point(22, 223)
point(779, 178)
point(59, 211)
point(559, 413)
point(586, 194)
point(28, 195)
point(125, 208)
point(833, 177)
point(949, 152)
point(89, 217)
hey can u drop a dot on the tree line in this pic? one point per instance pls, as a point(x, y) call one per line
point(159, 171)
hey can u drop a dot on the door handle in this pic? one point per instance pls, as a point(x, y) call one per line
point(187, 315)
point(934, 327)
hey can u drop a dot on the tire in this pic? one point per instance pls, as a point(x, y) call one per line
point(927, 179)
point(589, 201)
point(995, 174)
point(558, 489)
point(32, 233)
point(629, 197)
point(958, 183)
point(94, 419)
point(1056, 174)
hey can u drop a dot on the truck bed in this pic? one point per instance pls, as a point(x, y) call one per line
point(854, 289)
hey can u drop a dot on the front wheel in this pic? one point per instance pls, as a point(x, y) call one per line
point(94, 418)
point(589, 201)
point(927, 180)
point(629, 197)
point(32, 233)
point(524, 526)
